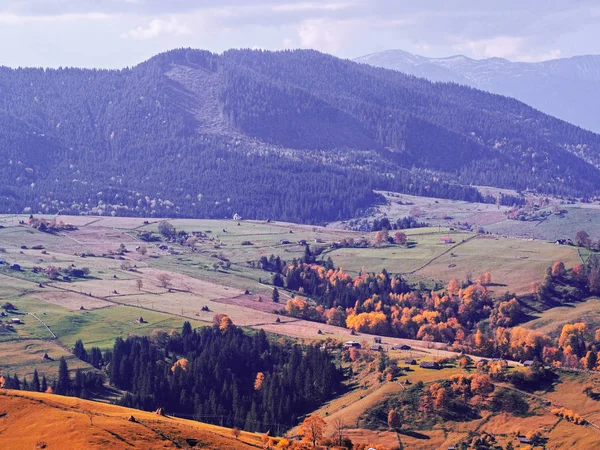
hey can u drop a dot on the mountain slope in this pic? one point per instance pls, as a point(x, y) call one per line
point(566, 88)
point(295, 135)
point(35, 420)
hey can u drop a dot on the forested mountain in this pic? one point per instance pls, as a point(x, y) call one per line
point(567, 88)
point(294, 135)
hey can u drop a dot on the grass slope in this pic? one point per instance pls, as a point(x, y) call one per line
point(34, 420)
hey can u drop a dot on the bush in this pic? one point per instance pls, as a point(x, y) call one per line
point(509, 401)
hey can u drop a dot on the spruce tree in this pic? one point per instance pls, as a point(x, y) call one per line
point(79, 350)
point(44, 385)
point(275, 296)
point(35, 382)
point(63, 383)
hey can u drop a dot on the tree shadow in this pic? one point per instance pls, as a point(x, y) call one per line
point(414, 434)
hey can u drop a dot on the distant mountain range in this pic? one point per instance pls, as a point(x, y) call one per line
point(294, 135)
point(567, 88)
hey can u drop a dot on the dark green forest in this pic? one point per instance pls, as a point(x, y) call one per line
point(224, 376)
point(294, 135)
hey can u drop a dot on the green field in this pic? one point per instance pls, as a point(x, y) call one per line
point(98, 327)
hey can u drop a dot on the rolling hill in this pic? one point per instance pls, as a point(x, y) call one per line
point(35, 420)
point(566, 88)
point(295, 135)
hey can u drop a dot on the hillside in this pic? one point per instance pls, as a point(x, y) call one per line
point(34, 420)
point(566, 88)
point(296, 135)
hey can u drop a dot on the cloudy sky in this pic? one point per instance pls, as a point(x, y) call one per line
point(118, 33)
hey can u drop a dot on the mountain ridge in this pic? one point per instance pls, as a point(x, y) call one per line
point(560, 87)
point(190, 133)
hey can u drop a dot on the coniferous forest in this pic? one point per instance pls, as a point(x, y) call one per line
point(294, 135)
point(221, 375)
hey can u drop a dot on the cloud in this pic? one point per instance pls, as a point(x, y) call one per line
point(155, 28)
point(516, 48)
point(325, 35)
point(17, 19)
point(499, 47)
point(311, 6)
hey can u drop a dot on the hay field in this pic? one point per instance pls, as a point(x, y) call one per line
point(398, 259)
point(23, 356)
point(552, 320)
point(513, 263)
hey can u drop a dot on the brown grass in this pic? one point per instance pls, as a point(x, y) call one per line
point(65, 422)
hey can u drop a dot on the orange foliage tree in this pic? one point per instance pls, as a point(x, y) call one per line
point(312, 429)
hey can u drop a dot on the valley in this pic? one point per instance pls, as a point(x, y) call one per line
point(137, 281)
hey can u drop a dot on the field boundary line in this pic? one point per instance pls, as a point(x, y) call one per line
point(458, 244)
point(42, 322)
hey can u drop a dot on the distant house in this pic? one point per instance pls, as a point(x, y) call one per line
point(524, 440)
point(429, 365)
point(377, 347)
point(411, 362)
point(377, 340)
point(15, 320)
point(351, 344)
point(284, 242)
point(236, 216)
point(528, 363)
point(318, 241)
point(401, 347)
point(302, 242)
point(446, 240)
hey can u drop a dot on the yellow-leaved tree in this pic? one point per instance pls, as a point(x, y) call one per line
point(312, 429)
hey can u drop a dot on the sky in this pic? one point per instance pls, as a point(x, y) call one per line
point(122, 33)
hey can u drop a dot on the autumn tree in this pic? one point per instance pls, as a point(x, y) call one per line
point(225, 324)
point(485, 278)
point(400, 238)
point(394, 420)
point(572, 338)
point(283, 444)
point(51, 272)
point(381, 237)
point(453, 286)
point(312, 429)
point(558, 269)
point(482, 385)
point(258, 381)
point(235, 432)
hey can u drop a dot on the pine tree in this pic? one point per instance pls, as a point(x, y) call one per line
point(35, 382)
point(275, 296)
point(79, 350)
point(63, 383)
point(187, 329)
point(16, 384)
